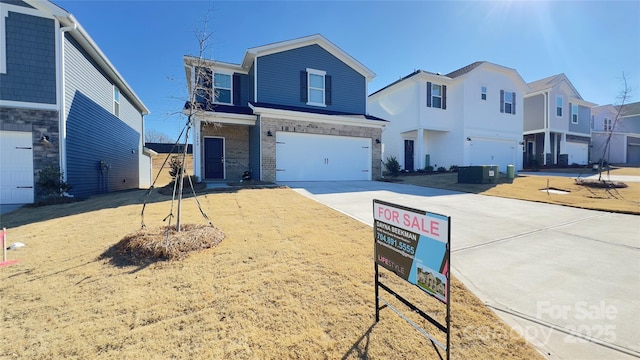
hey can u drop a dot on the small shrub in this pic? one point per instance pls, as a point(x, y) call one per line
point(176, 167)
point(428, 168)
point(50, 183)
point(442, 169)
point(392, 165)
point(453, 168)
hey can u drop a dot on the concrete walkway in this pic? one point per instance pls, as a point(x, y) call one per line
point(567, 279)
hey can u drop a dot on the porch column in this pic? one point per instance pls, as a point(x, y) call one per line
point(547, 146)
point(563, 144)
point(419, 150)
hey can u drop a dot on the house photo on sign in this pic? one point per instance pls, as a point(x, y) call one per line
point(413, 244)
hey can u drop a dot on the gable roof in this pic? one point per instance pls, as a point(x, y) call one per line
point(452, 76)
point(316, 39)
point(76, 31)
point(632, 109)
point(463, 70)
point(550, 82)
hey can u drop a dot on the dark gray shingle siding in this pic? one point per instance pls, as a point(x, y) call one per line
point(31, 60)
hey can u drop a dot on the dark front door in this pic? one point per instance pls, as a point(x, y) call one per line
point(214, 158)
point(408, 155)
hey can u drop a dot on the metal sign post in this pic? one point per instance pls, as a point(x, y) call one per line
point(416, 246)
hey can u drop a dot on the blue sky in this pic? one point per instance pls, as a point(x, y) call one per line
point(592, 42)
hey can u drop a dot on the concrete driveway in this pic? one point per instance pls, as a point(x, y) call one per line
point(567, 279)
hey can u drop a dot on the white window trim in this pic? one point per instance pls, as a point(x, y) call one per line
point(115, 89)
point(324, 87)
point(561, 106)
point(436, 96)
point(576, 114)
point(511, 111)
point(483, 91)
point(213, 86)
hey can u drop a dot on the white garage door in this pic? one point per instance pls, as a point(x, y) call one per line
point(578, 153)
point(16, 167)
point(310, 157)
point(494, 152)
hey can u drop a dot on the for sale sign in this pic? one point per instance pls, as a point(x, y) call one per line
point(414, 244)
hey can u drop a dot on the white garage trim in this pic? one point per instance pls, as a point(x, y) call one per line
point(16, 167)
point(312, 157)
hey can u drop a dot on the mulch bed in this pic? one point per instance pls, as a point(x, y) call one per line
point(601, 184)
point(150, 245)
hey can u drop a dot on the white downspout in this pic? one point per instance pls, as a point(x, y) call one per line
point(62, 142)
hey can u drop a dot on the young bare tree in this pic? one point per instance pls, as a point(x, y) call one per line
point(200, 97)
point(625, 93)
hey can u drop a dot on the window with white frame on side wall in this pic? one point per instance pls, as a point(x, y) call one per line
point(315, 87)
point(574, 113)
point(559, 106)
point(436, 95)
point(483, 93)
point(507, 102)
point(116, 101)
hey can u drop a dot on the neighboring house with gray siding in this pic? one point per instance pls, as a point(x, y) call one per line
point(62, 103)
point(557, 120)
point(620, 127)
point(290, 111)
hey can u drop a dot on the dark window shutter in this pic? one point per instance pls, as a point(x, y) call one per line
point(327, 89)
point(444, 97)
point(236, 89)
point(303, 86)
point(501, 101)
point(428, 94)
point(513, 107)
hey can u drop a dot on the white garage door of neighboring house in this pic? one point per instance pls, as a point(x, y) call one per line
point(16, 167)
point(578, 152)
point(311, 157)
point(494, 152)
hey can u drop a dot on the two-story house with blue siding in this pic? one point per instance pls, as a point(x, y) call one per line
point(557, 123)
point(290, 111)
point(615, 133)
point(63, 104)
point(470, 116)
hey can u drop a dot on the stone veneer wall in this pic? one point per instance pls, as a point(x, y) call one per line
point(236, 148)
point(274, 125)
point(38, 123)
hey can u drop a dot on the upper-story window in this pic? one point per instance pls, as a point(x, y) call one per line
point(483, 92)
point(574, 114)
point(507, 102)
point(559, 106)
point(116, 101)
point(316, 87)
point(222, 88)
point(608, 126)
point(436, 96)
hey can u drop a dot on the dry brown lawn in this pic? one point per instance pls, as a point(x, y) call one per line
point(292, 279)
point(625, 200)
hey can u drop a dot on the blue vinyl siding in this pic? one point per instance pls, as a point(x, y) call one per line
point(31, 60)
point(279, 79)
point(584, 120)
point(244, 89)
point(94, 133)
point(250, 82)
